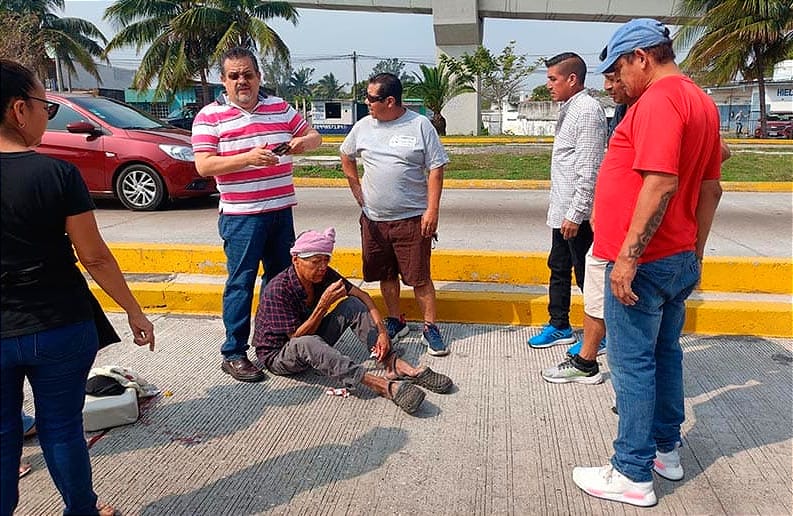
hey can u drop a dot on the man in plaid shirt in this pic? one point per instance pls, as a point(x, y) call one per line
point(578, 148)
point(297, 326)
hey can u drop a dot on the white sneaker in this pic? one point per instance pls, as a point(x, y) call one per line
point(668, 464)
point(608, 483)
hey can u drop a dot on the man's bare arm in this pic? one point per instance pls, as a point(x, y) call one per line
point(709, 197)
point(657, 189)
point(654, 196)
point(210, 164)
point(429, 221)
point(308, 141)
point(350, 168)
point(382, 346)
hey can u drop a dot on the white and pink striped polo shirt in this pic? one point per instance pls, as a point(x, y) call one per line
point(225, 130)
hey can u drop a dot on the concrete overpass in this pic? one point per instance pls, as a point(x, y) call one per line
point(458, 28)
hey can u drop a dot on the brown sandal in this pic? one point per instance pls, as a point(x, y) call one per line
point(427, 378)
point(406, 396)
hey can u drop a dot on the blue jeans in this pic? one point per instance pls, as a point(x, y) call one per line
point(249, 240)
point(646, 361)
point(56, 363)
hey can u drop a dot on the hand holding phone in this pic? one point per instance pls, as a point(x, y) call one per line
point(281, 149)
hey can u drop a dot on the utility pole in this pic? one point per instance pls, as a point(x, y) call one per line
point(354, 77)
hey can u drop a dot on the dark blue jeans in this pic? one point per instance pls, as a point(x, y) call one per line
point(646, 361)
point(56, 363)
point(249, 240)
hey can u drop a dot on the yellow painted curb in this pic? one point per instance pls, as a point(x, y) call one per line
point(720, 274)
point(758, 141)
point(538, 184)
point(721, 317)
point(506, 139)
point(464, 140)
point(759, 186)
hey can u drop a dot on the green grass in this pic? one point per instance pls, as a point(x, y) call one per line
point(773, 165)
point(753, 166)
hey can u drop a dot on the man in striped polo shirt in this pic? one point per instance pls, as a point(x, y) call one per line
point(233, 140)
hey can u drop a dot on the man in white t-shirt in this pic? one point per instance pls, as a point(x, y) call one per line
point(399, 195)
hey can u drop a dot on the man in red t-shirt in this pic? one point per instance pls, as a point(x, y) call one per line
point(657, 192)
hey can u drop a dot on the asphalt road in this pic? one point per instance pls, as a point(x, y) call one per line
point(747, 224)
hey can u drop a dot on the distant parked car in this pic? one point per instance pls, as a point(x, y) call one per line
point(183, 116)
point(124, 153)
point(778, 126)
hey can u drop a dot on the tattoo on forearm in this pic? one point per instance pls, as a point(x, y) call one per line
point(637, 249)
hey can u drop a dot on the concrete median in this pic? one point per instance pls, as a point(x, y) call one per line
point(737, 296)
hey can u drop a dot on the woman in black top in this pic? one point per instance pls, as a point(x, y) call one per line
point(48, 328)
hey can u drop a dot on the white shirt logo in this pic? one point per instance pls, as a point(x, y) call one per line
point(402, 141)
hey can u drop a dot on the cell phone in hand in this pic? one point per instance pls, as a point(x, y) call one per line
point(281, 149)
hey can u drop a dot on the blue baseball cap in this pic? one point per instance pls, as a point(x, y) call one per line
point(638, 33)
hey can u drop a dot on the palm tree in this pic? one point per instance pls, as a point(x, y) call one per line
point(300, 83)
point(276, 73)
point(329, 87)
point(437, 86)
point(736, 37)
point(185, 38)
point(69, 39)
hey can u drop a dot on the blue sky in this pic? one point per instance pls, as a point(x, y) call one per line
point(322, 36)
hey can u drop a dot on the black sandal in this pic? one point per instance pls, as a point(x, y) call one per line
point(407, 396)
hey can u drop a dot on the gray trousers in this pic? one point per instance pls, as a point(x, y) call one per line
point(317, 351)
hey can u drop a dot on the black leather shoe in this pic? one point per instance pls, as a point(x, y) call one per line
point(243, 370)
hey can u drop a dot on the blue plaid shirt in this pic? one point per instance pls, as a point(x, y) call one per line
point(283, 308)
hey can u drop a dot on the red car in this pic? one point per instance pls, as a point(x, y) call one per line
point(778, 126)
point(123, 153)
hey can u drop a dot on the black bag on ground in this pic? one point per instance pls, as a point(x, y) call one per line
point(101, 385)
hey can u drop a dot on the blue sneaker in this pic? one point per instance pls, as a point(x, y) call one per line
point(434, 341)
point(396, 328)
point(550, 335)
point(575, 349)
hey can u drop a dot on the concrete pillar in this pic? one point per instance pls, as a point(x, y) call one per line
point(458, 30)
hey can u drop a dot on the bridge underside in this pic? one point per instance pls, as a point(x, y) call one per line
point(615, 11)
point(458, 28)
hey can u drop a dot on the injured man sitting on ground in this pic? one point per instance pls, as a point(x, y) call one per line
point(296, 328)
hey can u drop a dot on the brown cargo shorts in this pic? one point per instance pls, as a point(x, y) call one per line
point(395, 248)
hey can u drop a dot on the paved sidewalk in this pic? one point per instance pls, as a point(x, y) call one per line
point(504, 442)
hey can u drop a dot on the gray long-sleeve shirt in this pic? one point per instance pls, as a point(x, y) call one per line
point(578, 148)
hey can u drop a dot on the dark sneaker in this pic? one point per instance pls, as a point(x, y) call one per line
point(550, 335)
point(572, 370)
point(434, 341)
point(243, 370)
point(396, 328)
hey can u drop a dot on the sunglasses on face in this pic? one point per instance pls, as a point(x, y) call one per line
point(374, 98)
point(248, 76)
point(52, 107)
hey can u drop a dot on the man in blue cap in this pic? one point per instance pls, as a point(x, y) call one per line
point(657, 192)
